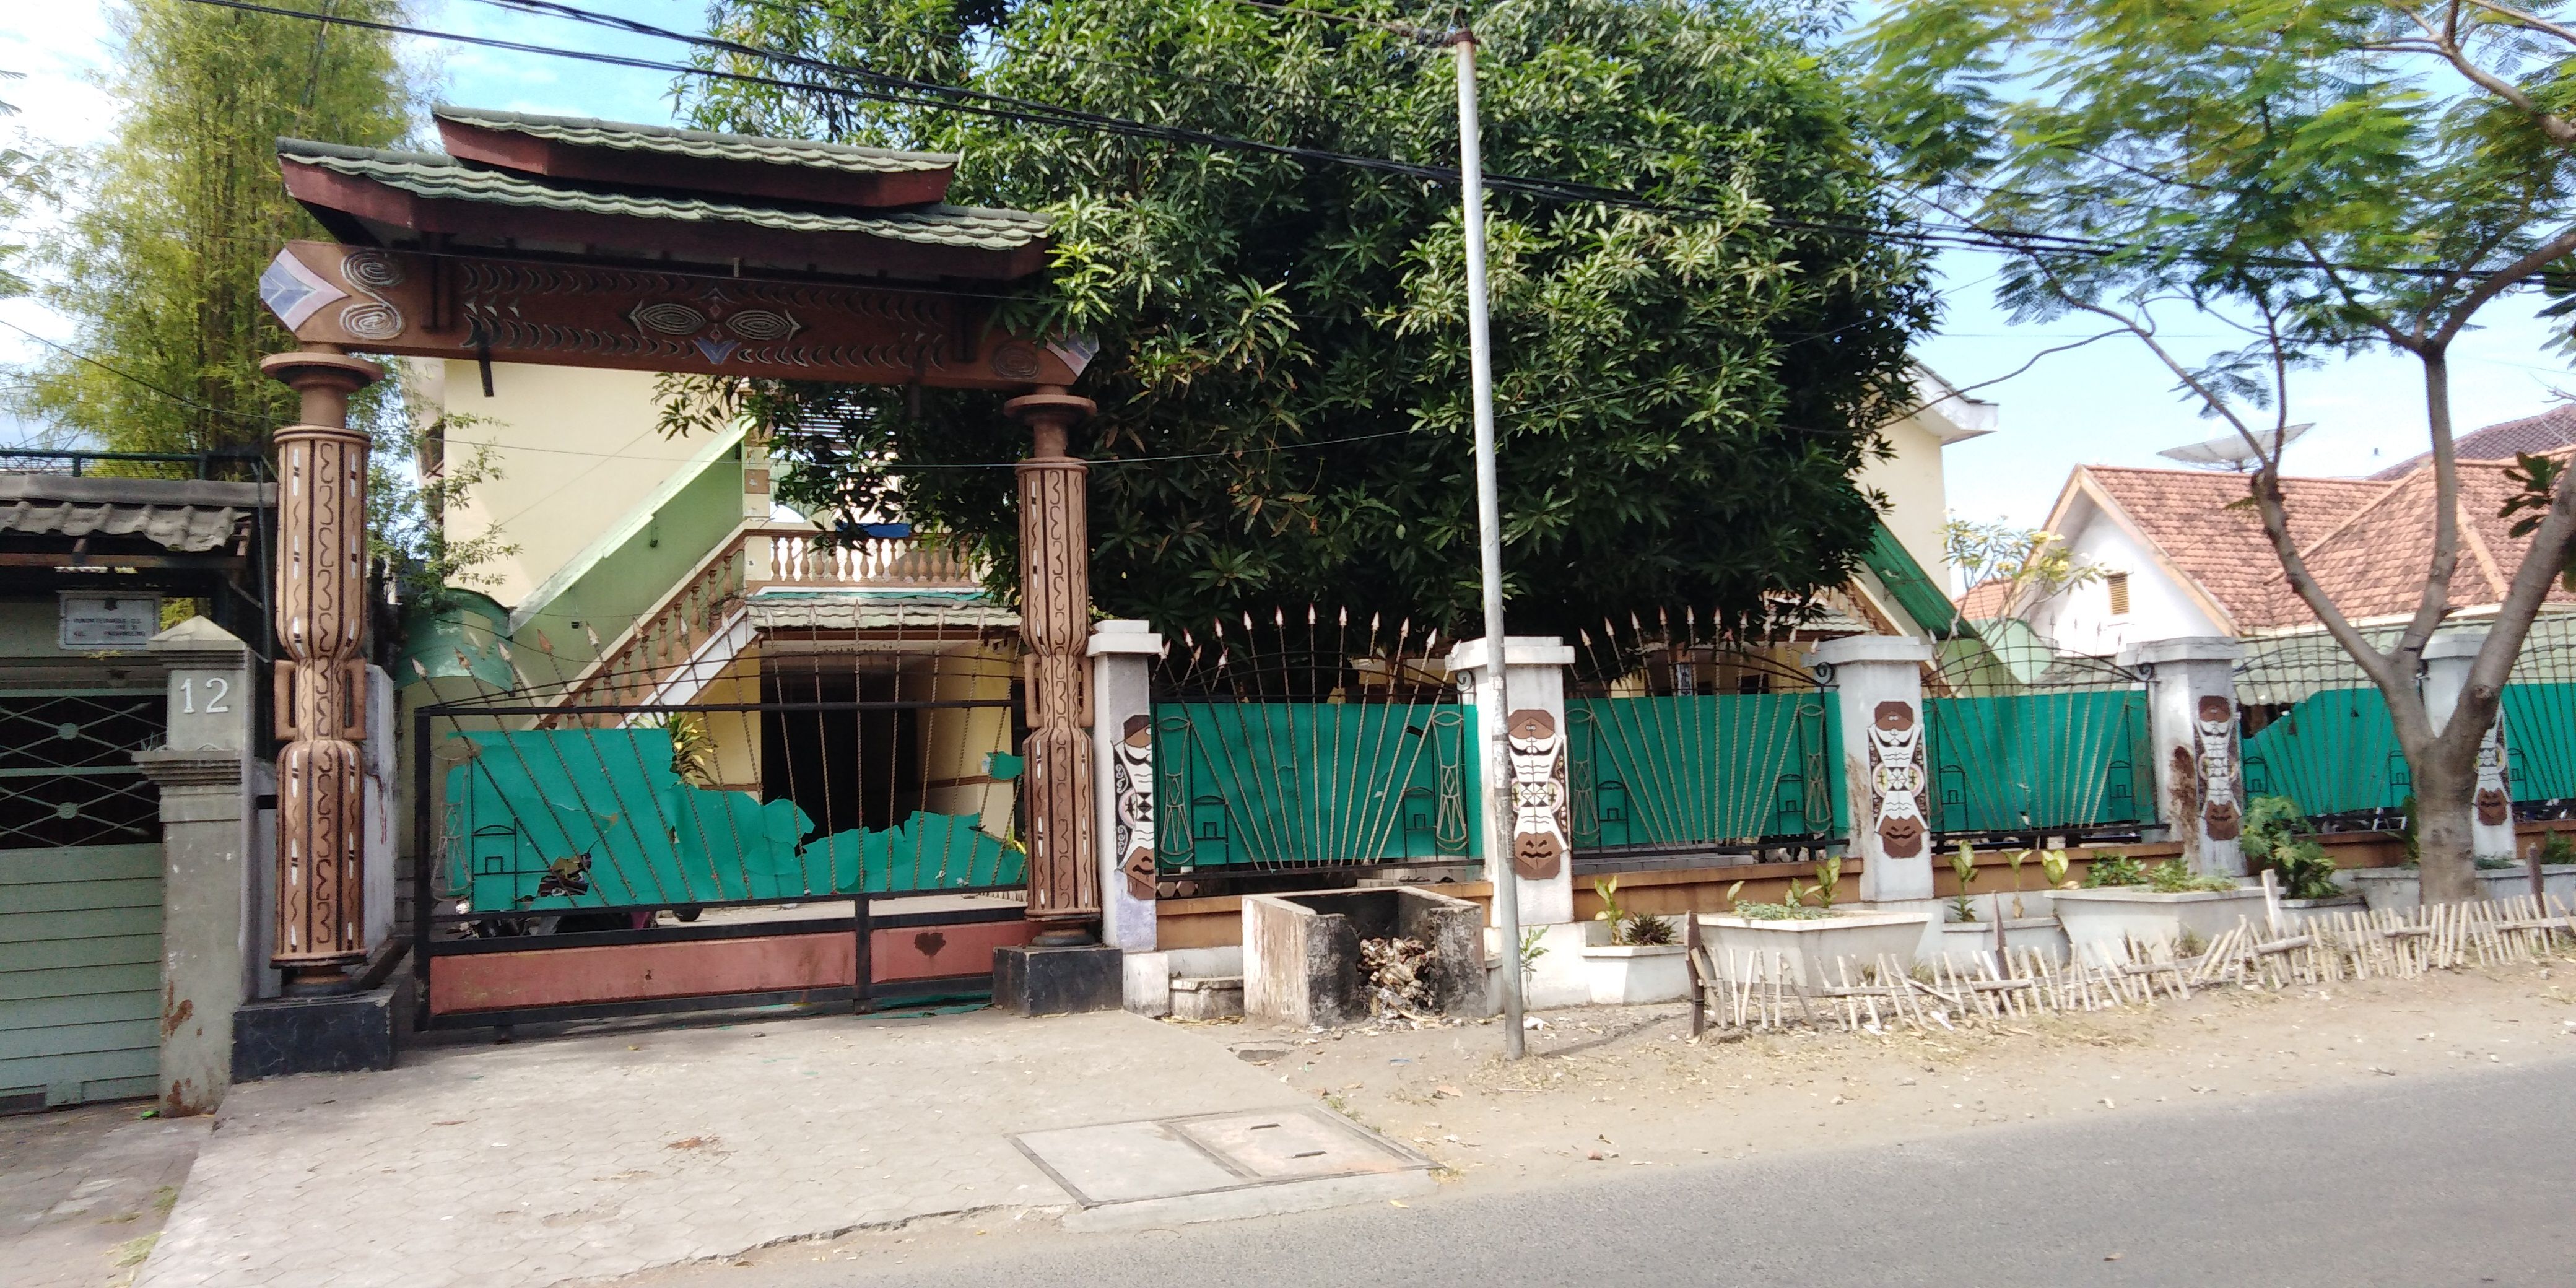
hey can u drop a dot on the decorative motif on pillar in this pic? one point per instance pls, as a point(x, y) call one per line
point(321, 681)
point(1540, 824)
point(1055, 623)
point(1899, 804)
point(2214, 732)
point(1132, 787)
point(2495, 784)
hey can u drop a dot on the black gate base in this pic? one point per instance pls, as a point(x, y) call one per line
point(1035, 980)
point(347, 1033)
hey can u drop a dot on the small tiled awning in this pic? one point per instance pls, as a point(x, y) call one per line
point(186, 516)
point(864, 610)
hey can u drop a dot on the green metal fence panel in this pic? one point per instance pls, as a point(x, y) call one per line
point(2540, 741)
point(1686, 772)
point(2040, 761)
point(80, 973)
point(589, 818)
point(1254, 785)
point(2334, 752)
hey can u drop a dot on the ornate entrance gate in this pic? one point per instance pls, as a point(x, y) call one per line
point(572, 242)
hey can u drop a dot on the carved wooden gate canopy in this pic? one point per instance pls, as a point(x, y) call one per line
point(570, 242)
point(579, 243)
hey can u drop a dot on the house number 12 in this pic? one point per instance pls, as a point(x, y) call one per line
point(217, 689)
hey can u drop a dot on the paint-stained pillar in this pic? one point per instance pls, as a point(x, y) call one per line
point(2447, 658)
point(1055, 624)
point(2191, 727)
point(321, 684)
point(210, 887)
point(1122, 749)
point(1887, 760)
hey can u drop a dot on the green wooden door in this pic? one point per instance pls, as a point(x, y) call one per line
point(80, 974)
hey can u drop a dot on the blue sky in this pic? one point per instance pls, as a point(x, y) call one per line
point(2110, 402)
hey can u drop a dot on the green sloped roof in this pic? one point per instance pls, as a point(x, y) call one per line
point(1913, 589)
point(444, 178)
point(624, 137)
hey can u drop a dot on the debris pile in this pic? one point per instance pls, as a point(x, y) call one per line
point(1396, 967)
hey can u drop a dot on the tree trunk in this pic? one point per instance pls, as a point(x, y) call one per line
point(2445, 775)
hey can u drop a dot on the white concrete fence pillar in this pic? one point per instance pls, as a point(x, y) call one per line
point(1887, 760)
point(2447, 658)
point(2191, 728)
point(1539, 840)
point(211, 910)
point(1123, 785)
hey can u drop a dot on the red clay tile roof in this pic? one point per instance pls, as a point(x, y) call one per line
point(2366, 541)
point(2185, 514)
point(2374, 565)
point(1987, 600)
point(2546, 432)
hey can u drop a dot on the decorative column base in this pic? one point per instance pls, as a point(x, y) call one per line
point(1886, 762)
point(2447, 658)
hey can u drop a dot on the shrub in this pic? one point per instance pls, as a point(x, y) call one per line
point(2114, 870)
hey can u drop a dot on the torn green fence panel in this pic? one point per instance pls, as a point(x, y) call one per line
point(589, 818)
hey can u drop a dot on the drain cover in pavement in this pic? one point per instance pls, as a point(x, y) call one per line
point(1208, 1153)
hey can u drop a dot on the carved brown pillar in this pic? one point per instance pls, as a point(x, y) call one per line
point(321, 679)
point(1055, 621)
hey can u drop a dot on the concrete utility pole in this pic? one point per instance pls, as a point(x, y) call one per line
point(1489, 540)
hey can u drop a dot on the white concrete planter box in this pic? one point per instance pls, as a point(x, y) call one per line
point(1626, 975)
point(2103, 919)
point(1964, 942)
point(1813, 947)
point(2402, 889)
point(2298, 912)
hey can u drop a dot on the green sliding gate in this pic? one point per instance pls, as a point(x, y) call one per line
point(80, 896)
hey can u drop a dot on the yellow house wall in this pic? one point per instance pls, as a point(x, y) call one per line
point(955, 740)
point(736, 734)
point(1913, 484)
point(576, 451)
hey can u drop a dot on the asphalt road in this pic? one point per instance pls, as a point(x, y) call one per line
point(2467, 1179)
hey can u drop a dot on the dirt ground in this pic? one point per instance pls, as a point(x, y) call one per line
point(1614, 1087)
point(1623, 1087)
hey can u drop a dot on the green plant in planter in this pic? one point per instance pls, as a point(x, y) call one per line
point(1963, 864)
point(1780, 912)
point(2052, 865)
point(1629, 929)
point(2114, 870)
point(2014, 860)
point(2172, 877)
point(1829, 878)
point(2556, 848)
point(2408, 838)
point(2276, 837)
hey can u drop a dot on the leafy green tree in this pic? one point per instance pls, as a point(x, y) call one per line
point(2328, 177)
point(21, 174)
point(1683, 393)
point(173, 218)
point(2034, 562)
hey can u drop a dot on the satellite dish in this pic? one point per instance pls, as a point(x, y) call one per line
point(2232, 452)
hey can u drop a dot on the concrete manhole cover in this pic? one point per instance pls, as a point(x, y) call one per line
point(1213, 1166)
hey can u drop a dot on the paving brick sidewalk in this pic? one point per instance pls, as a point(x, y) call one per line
point(602, 1155)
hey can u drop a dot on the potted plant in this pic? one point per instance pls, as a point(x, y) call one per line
point(1808, 932)
point(1632, 957)
point(1967, 936)
point(2276, 837)
point(2169, 904)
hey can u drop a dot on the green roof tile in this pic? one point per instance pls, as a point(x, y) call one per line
point(440, 177)
point(700, 143)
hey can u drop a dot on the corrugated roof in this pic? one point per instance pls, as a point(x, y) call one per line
point(188, 516)
point(626, 137)
point(443, 178)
